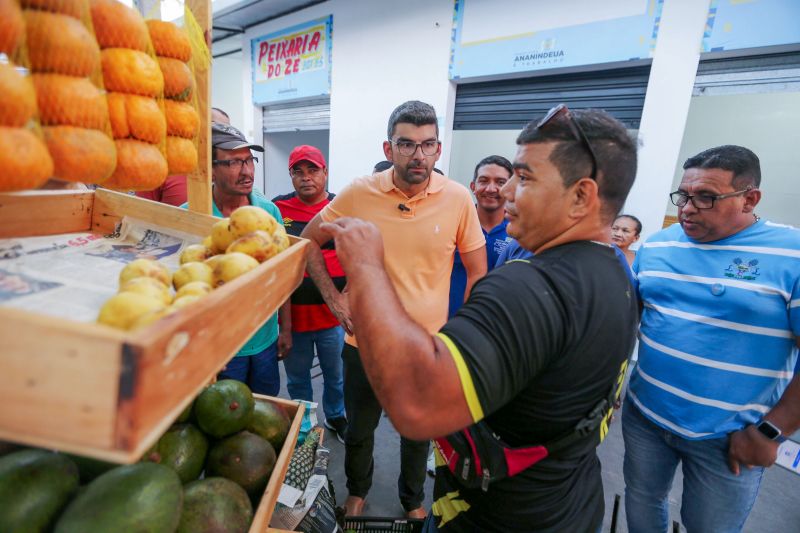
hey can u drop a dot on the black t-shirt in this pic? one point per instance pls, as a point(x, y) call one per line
point(543, 341)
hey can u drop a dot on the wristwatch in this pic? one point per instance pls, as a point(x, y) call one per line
point(770, 430)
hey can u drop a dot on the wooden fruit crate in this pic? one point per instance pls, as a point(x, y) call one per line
point(266, 506)
point(91, 390)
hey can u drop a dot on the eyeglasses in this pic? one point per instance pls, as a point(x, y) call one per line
point(702, 201)
point(235, 164)
point(577, 131)
point(408, 148)
point(298, 173)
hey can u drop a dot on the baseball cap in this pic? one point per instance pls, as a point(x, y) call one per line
point(227, 137)
point(308, 153)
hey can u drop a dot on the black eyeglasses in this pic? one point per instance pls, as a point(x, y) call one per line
point(407, 148)
point(702, 201)
point(577, 131)
point(235, 164)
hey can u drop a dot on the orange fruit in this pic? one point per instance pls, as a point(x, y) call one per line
point(118, 115)
point(12, 28)
point(169, 40)
point(178, 80)
point(118, 26)
point(146, 119)
point(80, 154)
point(18, 101)
point(131, 72)
point(70, 101)
point(140, 166)
point(60, 44)
point(181, 155)
point(182, 119)
point(73, 8)
point(136, 116)
point(24, 161)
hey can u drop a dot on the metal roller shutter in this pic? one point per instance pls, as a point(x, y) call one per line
point(510, 104)
point(747, 75)
point(307, 115)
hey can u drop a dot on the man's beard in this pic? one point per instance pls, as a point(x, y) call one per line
point(414, 179)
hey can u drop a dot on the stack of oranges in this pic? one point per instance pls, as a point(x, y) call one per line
point(143, 127)
point(63, 56)
point(24, 160)
point(174, 52)
point(134, 81)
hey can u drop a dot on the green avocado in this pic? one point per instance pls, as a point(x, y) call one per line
point(34, 486)
point(183, 448)
point(215, 505)
point(270, 421)
point(143, 497)
point(224, 408)
point(244, 458)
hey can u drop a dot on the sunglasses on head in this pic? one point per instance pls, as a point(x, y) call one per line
point(577, 131)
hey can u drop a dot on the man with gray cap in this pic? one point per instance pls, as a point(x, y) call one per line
point(232, 175)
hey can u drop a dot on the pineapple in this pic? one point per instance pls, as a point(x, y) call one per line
point(302, 463)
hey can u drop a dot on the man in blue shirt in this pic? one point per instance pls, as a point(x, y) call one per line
point(491, 173)
point(233, 171)
point(512, 251)
point(715, 387)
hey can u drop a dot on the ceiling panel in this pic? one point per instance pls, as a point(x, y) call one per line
point(234, 20)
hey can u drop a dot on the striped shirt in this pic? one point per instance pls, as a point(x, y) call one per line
point(719, 329)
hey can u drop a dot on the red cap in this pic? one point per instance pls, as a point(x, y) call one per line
point(308, 153)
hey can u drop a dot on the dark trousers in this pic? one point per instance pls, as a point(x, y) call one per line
point(363, 415)
point(258, 371)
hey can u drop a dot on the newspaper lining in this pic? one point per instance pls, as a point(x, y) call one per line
point(313, 511)
point(72, 275)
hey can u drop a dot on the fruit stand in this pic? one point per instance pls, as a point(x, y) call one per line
point(85, 388)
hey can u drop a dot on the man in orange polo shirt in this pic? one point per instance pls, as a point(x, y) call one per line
point(423, 218)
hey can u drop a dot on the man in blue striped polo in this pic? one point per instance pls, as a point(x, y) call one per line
point(715, 387)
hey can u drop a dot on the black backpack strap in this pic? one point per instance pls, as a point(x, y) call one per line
point(587, 425)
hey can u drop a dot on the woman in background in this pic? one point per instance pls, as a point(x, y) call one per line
point(624, 232)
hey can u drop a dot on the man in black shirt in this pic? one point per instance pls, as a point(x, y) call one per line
point(538, 345)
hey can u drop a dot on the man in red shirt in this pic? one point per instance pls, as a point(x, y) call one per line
point(310, 323)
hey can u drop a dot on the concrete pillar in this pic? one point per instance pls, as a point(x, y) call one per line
point(666, 107)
